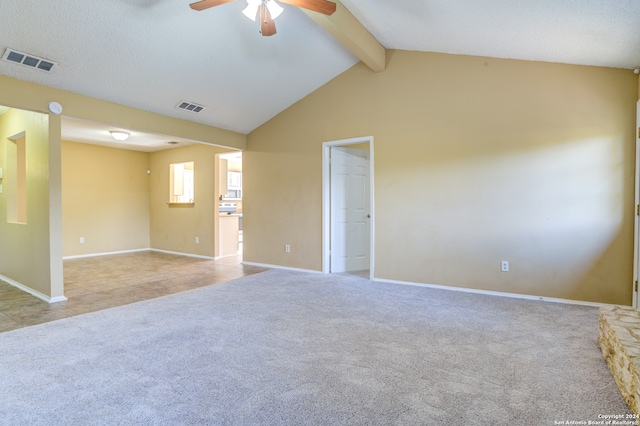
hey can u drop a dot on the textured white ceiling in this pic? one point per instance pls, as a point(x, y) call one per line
point(152, 54)
point(586, 32)
point(76, 130)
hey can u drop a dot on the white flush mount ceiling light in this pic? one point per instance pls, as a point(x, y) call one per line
point(119, 135)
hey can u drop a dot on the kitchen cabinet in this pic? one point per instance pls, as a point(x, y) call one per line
point(228, 240)
point(234, 180)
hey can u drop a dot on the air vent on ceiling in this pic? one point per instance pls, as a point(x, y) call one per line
point(27, 60)
point(190, 106)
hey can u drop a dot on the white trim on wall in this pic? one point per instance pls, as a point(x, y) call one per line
point(285, 268)
point(80, 256)
point(183, 254)
point(326, 204)
point(225, 256)
point(140, 250)
point(31, 291)
point(636, 226)
point(496, 293)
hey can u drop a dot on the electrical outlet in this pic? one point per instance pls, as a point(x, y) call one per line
point(197, 240)
point(81, 240)
point(505, 266)
point(287, 248)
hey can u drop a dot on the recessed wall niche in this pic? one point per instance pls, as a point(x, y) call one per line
point(15, 178)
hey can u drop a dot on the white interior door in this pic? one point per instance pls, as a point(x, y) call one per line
point(350, 209)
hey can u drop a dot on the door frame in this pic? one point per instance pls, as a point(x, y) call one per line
point(636, 227)
point(326, 200)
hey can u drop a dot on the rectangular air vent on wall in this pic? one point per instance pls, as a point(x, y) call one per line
point(190, 106)
point(27, 60)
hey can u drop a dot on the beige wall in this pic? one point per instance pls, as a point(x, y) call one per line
point(111, 201)
point(27, 255)
point(105, 199)
point(29, 266)
point(174, 228)
point(31, 96)
point(477, 160)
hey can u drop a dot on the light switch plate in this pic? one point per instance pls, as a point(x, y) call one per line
point(0, 172)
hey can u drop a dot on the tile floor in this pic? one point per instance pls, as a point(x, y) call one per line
point(102, 282)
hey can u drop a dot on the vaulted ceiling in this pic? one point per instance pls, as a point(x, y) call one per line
point(154, 54)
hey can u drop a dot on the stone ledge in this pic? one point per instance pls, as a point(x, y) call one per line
point(619, 341)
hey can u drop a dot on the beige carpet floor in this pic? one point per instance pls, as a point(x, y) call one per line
point(289, 348)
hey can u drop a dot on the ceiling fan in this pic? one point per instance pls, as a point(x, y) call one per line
point(268, 10)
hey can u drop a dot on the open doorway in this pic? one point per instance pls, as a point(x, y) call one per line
point(348, 207)
point(230, 233)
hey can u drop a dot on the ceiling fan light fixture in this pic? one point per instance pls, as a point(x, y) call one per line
point(274, 9)
point(251, 11)
point(119, 135)
point(269, 10)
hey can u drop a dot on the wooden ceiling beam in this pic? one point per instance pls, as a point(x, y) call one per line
point(345, 28)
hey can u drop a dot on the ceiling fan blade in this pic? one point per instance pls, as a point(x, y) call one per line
point(321, 6)
point(206, 4)
point(267, 25)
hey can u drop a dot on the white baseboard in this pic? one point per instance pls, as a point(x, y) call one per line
point(224, 257)
point(80, 256)
point(31, 291)
point(270, 266)
point(285, 268)
point(136, 251)
point(496, 293)
point(183, 254)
